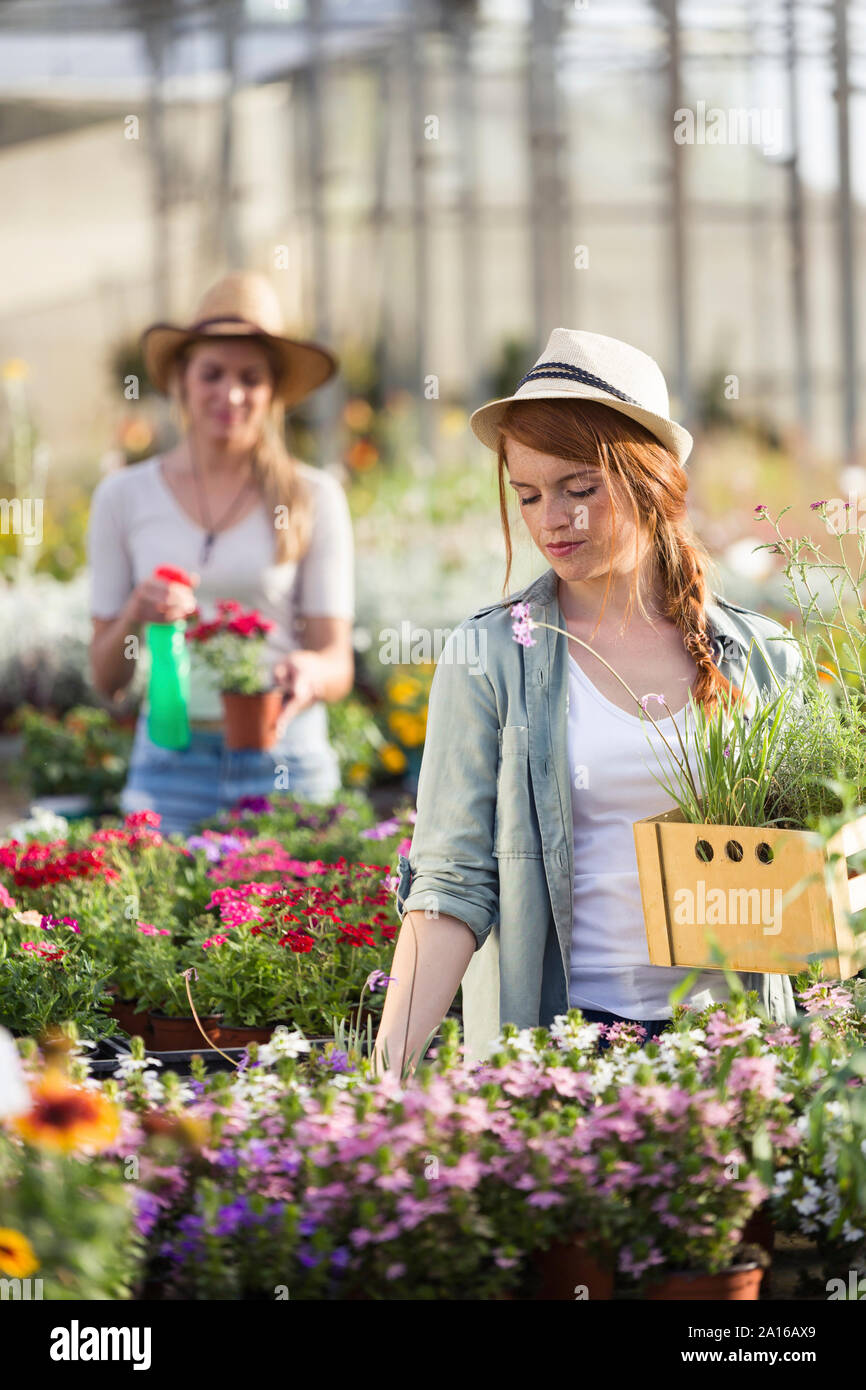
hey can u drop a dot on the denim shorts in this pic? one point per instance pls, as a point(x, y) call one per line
point(192, 784)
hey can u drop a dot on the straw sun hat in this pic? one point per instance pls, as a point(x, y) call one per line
point(590, 367)
point(241, 304)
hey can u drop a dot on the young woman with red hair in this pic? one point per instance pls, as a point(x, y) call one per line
point(521, 879)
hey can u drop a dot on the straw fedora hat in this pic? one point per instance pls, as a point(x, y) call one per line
point(577, 365)
point(241, 304)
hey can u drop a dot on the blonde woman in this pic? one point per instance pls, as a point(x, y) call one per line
point(246, 521)
point(521, 878)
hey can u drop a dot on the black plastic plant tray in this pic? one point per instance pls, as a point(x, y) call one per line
point(179, 1062)
point(104, 1059)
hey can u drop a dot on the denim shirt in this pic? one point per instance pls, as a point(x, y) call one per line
point(493, 841)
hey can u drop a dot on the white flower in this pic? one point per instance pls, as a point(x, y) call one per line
point(582, 1036)
point(128, 1066)
point(807, 1205)
point(282, 1044)
point(14, 1095)
point(850, 1232)
point(42, 822)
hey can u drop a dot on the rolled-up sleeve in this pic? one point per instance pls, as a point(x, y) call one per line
point(451, 868)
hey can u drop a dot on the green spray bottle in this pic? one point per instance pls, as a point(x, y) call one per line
point(168, 683)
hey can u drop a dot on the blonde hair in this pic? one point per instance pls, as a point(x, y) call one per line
point(654, 485)
point(275, 470)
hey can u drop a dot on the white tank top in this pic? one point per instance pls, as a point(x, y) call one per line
point(611, 761)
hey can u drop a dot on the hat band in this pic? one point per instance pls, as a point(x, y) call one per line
point(225, 318)
point(565, 369)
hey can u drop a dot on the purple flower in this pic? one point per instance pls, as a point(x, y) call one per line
point(146, 1211)
point(377, 979)
point(338, 1061)
point(230, 844)
point(211, 849)
point(231, 1218)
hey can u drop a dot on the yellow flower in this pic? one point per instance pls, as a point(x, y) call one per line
point(454, 421)
point(65, 1117)
point(393, 757)
point(17, 1257)
point(413, 731)
point(403, 690)
point(397, 720)
point(358, 774)
point(15, 369)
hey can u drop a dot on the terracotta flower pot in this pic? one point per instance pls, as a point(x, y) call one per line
point(133, 1022)
point(241, 1036)
point(181, 1034)
point(250, 721)
point(740, 1282)
point(565, 1265)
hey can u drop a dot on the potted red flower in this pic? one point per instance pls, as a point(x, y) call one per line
point(233, 645)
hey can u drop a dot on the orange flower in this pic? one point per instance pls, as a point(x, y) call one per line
point(362, 455)
point(66, 1117)
point(17, 1257)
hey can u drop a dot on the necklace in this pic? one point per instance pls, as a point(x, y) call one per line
point(211, 531)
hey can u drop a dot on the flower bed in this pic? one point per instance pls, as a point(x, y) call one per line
point(303, 1175)
point(262, 917)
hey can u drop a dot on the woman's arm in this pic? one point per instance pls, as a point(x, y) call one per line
point(112, 652)
point(448, 887)
point(429, 962)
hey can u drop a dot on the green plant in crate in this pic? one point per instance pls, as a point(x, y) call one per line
point(86, 752)
point(722, 772)
point(725, 771)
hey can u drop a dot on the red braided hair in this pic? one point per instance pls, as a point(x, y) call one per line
point(650, 480)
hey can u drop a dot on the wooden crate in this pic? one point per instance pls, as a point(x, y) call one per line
point(753, 923)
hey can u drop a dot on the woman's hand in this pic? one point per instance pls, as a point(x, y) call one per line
point(300, 674)
point(163, 601)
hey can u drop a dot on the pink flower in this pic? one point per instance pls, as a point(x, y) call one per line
point(147, 929)
point(753, 1074)
point(214, 941)
point(522, 624)
point(5, 900)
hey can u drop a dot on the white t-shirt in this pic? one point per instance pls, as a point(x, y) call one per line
point(611, 759)
point(136, 524)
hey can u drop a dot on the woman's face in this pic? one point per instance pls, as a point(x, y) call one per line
point(566, 507)
point(228, 390)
